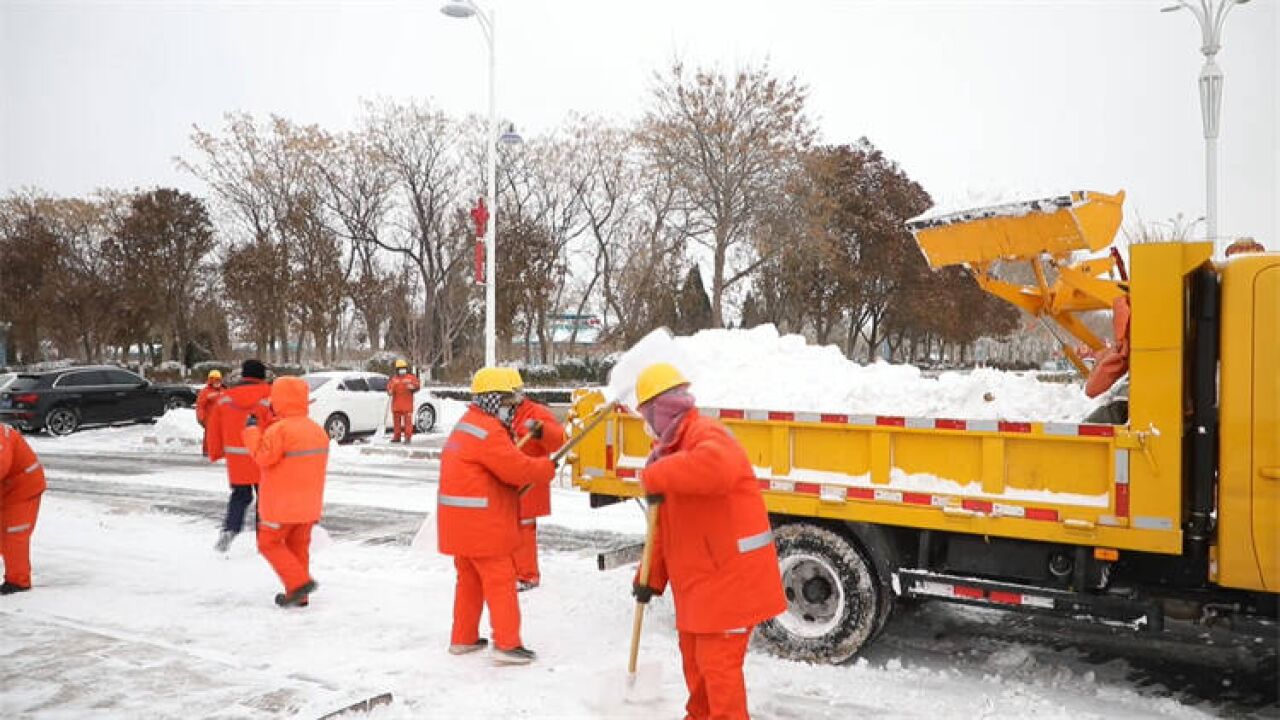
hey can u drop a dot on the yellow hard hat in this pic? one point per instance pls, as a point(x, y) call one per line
point(401, 364)
point(657, 379)
point(215, 374)
point(493, 379)
point(517, 382)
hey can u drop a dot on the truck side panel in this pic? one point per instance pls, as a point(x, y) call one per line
point(1055, 482)
point(1249, 480)
point(1157, 374)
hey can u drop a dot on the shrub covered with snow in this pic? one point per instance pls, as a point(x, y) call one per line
point(200, 370)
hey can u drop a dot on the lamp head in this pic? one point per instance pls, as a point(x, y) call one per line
point(510, 137)
point(458, 9)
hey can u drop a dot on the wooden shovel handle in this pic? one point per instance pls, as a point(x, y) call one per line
point(646, 560)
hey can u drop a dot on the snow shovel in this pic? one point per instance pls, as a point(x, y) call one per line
point(636, 690)
point(658, 346)
point(363, 706)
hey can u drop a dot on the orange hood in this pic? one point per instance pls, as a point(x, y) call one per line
point(289, 396)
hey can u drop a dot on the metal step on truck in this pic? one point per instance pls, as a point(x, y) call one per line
point(1171, 510)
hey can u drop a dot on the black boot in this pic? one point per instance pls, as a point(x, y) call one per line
point(297, 598)
point(9, 588)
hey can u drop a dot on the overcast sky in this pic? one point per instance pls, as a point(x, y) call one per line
point(973, 98)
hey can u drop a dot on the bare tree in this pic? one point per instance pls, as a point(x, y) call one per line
point(725, 141)
point(359, 194)
point(167, 235)
point(419, 148)
point(29, 259)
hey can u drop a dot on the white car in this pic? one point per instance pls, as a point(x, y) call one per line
point(353, 403)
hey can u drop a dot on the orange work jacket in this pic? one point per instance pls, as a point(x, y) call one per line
point(293, 453)
point(714, 544)
point(225, 428)
point(401, 389)
point(481, 472)
point(537, 501)
point(21, 475)
point(205, 400)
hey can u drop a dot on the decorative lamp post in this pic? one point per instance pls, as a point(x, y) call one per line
point(467, 9)
point(1211, 14)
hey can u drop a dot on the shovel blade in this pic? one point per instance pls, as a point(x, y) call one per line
point(425, 540)
point(658, 346)
point(644, 686)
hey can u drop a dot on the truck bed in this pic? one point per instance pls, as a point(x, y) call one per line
point(1056, 482)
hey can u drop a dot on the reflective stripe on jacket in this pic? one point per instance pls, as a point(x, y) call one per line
point(480, 473)
point(224, 428)
point(714, 541)
point(293, 454)
point(537, 501)
point(21, 475)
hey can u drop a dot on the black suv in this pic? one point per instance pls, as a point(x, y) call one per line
point(61, 401)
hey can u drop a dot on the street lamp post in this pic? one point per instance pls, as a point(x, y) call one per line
point(1211, 14)
point(467, 9)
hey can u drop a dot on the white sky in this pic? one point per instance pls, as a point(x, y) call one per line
point(972, 98)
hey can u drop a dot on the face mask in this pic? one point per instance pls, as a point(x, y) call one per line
point(402, 371)
point(648, 430)
point(507, 414)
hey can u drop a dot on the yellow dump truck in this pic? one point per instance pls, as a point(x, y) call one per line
point(1173, 511)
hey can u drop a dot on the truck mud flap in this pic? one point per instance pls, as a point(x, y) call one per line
point(1146, 615)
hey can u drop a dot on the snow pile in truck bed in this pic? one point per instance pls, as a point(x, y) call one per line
point(760, 369)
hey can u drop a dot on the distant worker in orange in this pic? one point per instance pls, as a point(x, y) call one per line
point(401, 388)
point(293, 452)
point(206, 399)
point(481, 472)
point(545, 436)
point(21, 486)
point(713, 544)
point(223, 438)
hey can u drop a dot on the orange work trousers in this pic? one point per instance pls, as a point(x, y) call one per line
point(526, 557)
point(713, 674)
point(17, 521)
point(486, 581)
point(287, 546)
point(401, 424)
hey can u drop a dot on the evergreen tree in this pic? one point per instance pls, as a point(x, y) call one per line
point(693, 307)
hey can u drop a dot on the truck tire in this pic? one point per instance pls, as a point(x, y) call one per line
point(834, 601)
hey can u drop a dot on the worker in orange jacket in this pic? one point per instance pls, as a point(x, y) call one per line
point(714, 543)
point(401, 389)
point(223, 438)
point(545, 436)
point(293, 452)
point(481, 472)
point(205, 400)
point(21, 485)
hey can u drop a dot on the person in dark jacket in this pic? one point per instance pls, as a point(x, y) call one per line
point(224, 438)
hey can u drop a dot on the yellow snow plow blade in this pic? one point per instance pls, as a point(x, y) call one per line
point(1056, 226)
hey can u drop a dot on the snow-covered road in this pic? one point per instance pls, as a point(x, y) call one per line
point(135, 616)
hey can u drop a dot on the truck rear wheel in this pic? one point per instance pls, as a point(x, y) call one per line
point(834, 601)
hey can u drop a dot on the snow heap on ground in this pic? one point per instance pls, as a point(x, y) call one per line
point(178, 427)
point(762, 370)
